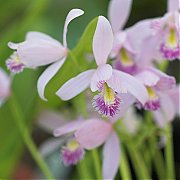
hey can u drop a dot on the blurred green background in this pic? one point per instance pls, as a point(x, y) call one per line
point(19, 16)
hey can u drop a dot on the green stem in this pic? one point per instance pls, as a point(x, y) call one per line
point(169, 153)
point(97, 163)
point(138, 163)
point(19, 120)
point(124, 166)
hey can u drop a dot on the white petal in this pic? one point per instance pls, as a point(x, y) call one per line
point(119, 11)
point(102, 73)
point(131, 84)
point(75, 85)
point(74, 13)
point(102, 40)
point(46, 76)
point(111, 157)
point(38, 52)
point(173, 5)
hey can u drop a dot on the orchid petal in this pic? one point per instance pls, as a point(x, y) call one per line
point(173, 5)
point(138, 32)
point(39, 35)
point(74, 13)
point(68, 128)
point(46, 76)
point(38, 52)
point(119, 11)
point(121, 81)
point(159, 118)
point(75, 85)
point(167, 106)
point(93, 133)
point(102, 73)
point(148, 78)
point(166, 82)
point(102, 41)
point(127, 100)
point(174, 94)
point(4, 84)
point(111, 157)
point(12, 45)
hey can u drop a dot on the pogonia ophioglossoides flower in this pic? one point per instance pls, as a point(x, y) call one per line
point(40, 49)
point(90, 134)
point(109, 82)
point(4, 86)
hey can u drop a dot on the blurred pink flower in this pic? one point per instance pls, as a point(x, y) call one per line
point(40, 49)
point(156, 83)
point(92, 133)
point(109, 82)
point(4, 86)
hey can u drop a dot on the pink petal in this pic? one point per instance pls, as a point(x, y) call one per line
point(4, 84)
point(102, 41)
point(74, 13)
point(68, 128)
point(102, 73)
point(39, 52)
point(122, 82)
point(159, 118)
point(39, 35)
point(166, 82)
point(174, 94)
point(127, 100)
point(47, 75)
point(93, 133)
point(12, 45)
point(167, 106)
point(148, 78)
point(75, 85)
point(138, 32)
point(173, 5)
point(119, 11)
point(111, 157)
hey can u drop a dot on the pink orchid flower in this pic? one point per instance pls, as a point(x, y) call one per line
point(109, 82)
point(156, 83)
point(166, 31)
point(88, 135)
point(123, 50)
point(163, 40)
point(4, 86)
point(169, 101)
point(40, 49)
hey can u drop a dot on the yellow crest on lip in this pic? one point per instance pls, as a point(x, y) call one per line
point(73, 145)
point(172, 40)
point(151, 93)
point(109, 94)
point(125, 58)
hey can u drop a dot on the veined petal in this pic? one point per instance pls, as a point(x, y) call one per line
point(68, 128)
point(127, 82)
point(74, 13)
point(47, 75)
point(38, 52)
point(102, 41)
point(103, 73)
point(75, 85)
point(93, 133)
point(173, 5)
point(148, 78)
point(111, 157)
point(118, 13)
